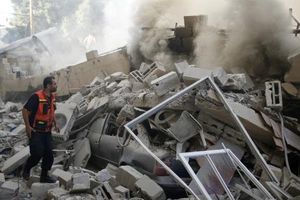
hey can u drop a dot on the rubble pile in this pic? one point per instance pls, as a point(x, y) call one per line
point(156, 134)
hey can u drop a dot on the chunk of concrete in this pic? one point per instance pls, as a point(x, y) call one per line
point(32, 179)
point(64, 178)
point(97, 102)
point(235, 81)
point(192, 74)
point(40, 190)
point(277, 171)
point(81, 182)
point(82, 152)
point(56, 193)
point(290, 89)
point(11, 186)
point(150, 189)
point(16, 161)
point(103, 176)
point(127, 176)
point(118, 76)
point(165, 83)
point(111, 87)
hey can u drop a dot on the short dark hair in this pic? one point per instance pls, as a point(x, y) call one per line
point(48, 81)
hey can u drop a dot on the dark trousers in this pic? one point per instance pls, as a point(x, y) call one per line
point(41, 146)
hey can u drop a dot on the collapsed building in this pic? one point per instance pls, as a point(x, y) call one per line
point(156, 133)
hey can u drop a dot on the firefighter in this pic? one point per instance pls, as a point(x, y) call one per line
point(38, 115)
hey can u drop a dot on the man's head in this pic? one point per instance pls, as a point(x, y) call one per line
point(49, 84)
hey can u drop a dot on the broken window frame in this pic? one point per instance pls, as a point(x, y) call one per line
point(184, 157)
point(130, 126)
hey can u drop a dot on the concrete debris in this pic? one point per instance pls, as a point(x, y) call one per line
point(40, 190)
point(122, 133)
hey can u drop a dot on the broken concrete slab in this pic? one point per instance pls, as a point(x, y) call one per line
point(40, 190)
point(16, 160)
point(127, 176)
point(165, 83)
point(235, 81)
point(150, 189)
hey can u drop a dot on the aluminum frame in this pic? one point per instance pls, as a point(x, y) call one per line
point(184, 157)
point(130, 126)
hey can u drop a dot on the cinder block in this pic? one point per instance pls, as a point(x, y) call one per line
point(91, 55)
point(180, 68)
point(81, 182)
point(273, 94)
point(150, 189)
point(127, 176)
point(64, 178)
point(165, 83)
point(15, 161)
point(40, 190)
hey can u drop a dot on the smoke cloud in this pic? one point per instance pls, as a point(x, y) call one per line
point(257, 40)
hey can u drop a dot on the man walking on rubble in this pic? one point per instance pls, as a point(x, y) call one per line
point(38, 115)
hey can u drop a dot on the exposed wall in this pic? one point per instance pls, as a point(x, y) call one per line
point(73, 77)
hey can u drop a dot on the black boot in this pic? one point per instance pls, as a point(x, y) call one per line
point(45, 178)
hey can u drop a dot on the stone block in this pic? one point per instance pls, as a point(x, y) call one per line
point(56, 193)
point(40, 190)
point(91, 55)
point(150, 189)
point(10, 185)
point(64, 178)
point(127, 176)
point(15, 161)
point(165, 83)
point(81, 182)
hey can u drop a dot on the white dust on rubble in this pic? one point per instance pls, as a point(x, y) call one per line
point(258, 38)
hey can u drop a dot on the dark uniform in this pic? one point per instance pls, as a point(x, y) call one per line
point(40, 142)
